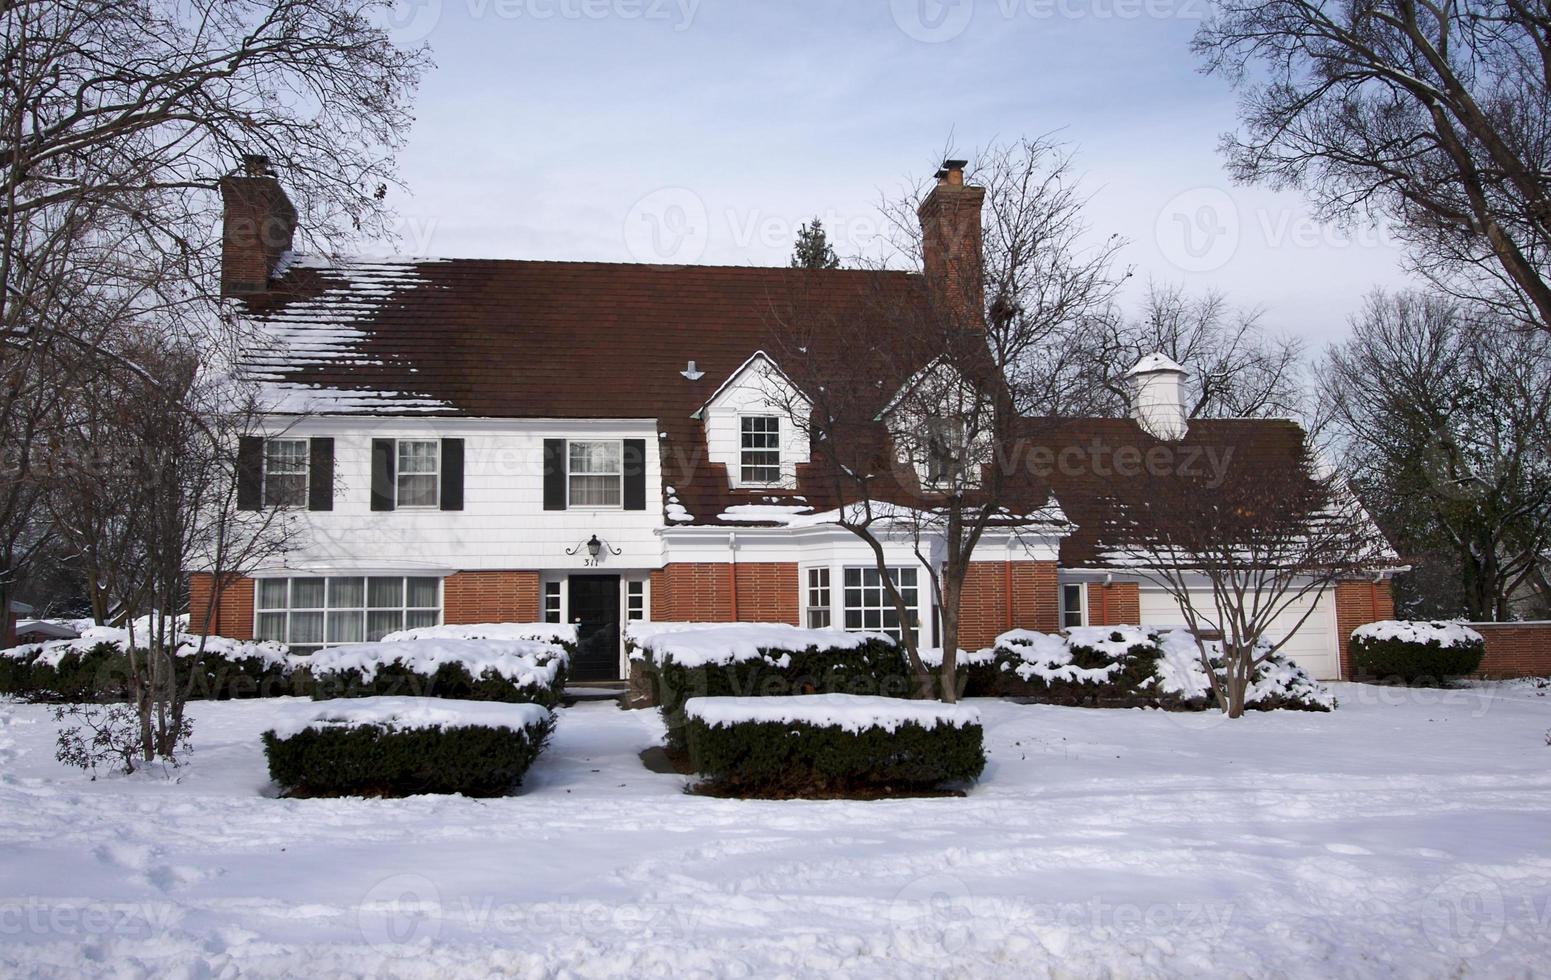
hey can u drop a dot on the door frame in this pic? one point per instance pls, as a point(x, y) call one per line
point(626, 576)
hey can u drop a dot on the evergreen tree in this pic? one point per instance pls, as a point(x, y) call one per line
point(812, 249)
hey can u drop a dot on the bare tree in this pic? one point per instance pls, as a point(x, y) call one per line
point(1247, 555)
point(1444, 417)
point(911, 400)
point(1432, 115)
point(1237, 370)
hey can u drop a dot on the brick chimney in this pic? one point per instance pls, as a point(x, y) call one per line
point(257, 228)
point(950, 246)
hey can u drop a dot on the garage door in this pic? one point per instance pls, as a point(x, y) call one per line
point(1313, 647)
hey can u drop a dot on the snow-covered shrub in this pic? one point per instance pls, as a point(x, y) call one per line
point(1181, 681)
point(974, 670)
point(474, 670)
point(683, 661)
point(559, 634)
point(95, 667)
point(1415, 652)
point(405, 746)
point(831, 745)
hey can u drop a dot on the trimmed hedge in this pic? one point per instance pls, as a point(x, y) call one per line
point(379, 759)
point(100, 673)
point(392, 671)
point(786, 759)
point(875, 666)
point(1415, 653)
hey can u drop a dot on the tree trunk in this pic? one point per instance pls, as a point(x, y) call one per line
point(947, 681)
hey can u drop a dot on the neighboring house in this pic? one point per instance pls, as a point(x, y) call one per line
point(473, 440)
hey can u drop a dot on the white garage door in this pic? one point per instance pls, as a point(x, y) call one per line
point(1313, 647)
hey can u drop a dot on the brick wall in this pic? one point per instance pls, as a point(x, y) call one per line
point(1116, 604)
point(714, 592)
point(491, 597)
point(1358, 603)
point(999, 596)
point(233, 613)
point(1516, 649)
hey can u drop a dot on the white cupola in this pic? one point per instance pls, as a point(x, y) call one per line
point(1158, 397)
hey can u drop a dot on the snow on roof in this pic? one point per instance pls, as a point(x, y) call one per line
point(1153, 363)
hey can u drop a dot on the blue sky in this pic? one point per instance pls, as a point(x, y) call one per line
point(707, 130)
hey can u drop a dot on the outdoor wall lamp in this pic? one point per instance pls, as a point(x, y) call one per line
point(594, 546)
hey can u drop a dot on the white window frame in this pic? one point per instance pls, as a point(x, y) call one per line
point(629, 612)
point(305, 473)
point(1082, 604)
point(435, 474)
point(780, 455)
point(365, 609)
point(818, 595)
point(620, 475)
point(553, 603)
point(885, 606)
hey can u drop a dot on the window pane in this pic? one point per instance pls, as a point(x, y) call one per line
point(271, 594)
point(285, 472)
point(271, 626)
point(418, 456)
point(307, 593)
point(597, 457)
point(346, 627)
point(417, 491)
point(380, 624)
point(307, 627)
point(422, 592)
point(384, 593)
point(853, 619)
point(417, 619)
point(818, 619)
point(347, 593)
point(595, 491)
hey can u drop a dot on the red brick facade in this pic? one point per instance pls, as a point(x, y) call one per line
point(1358, 603)
point(1116, 604)
point(491, 597)
point(1516, 649)
point(233, 612)
point(708, 592)
point(1003, 595)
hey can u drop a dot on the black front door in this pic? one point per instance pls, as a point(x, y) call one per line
point(595, 611)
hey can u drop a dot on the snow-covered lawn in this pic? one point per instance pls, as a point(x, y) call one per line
point(1403, 835)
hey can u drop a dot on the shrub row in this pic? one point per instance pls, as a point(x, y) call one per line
point(407, 746)
point(763, 661)
point(463, 669)
point(1415, 652)
point(100, 673)
point(817, 745)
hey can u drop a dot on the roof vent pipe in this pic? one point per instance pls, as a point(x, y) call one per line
point(692, 374)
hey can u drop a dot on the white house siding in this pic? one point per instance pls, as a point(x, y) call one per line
point(503, 523)
point(749, 392)
point(1315, 646)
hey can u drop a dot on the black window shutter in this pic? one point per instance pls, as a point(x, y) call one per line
point(635, 474)
point(250, 472)
point(383, 461)
point(320, 474)
point(452, 474)
point(554, 474)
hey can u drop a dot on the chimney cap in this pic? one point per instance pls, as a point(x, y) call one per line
point(1156, 363)
point(951, 167)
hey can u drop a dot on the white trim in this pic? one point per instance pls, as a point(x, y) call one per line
point(782, 481)
point(399, 474)
point(306, 473)
point(620, 475)
point(759, 355)
point(1082, 602)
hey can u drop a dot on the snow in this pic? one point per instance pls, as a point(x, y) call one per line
point(700, 644)
point(1445, 634)
point(543, 632)
point(764, 513)
point(1402, 836)
point(932, 657)
point(851, 712)
point(404, 714)
point(523, 662)
point(1180, 671)
point(52, 651)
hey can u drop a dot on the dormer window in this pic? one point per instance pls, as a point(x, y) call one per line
point(760, 449)
point(944, 452)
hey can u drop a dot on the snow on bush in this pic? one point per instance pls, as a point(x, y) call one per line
point(1416, 652)
point(850, 712)
point(831, 745)
point(1277, 682)
point(680, 661)
point(477, 670)
point(560, 633)
point(95, 665)
point(402, 746)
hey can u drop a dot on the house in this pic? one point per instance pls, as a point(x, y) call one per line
point(473, 440)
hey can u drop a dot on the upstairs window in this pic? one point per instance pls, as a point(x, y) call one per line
point(285, 472)
point(944, 452)
point(596, 473)
point(1074, 608)
point(760, 449)
point(419, 474)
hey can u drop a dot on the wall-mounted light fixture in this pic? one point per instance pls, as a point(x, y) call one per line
point(595, 547)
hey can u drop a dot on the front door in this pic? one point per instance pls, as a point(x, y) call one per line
point(595, 611)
